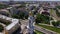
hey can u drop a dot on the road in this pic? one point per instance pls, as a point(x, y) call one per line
point(44, 30)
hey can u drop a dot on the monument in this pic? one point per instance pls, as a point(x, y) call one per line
point(30, 24)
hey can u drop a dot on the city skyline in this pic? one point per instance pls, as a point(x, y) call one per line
point(31, 0)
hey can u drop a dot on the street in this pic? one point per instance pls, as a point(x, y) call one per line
point(44, 30)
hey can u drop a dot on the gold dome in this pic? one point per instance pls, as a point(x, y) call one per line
point(30, 13)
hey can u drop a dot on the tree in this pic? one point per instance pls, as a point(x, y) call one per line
point(1, 28)
point(21, 15)
point(3, 6)
point(58, 7)
point(40, 18)
point(57, 13)
point(15, 16)
point(26, 16)
point(56, 23)
point(6, 22)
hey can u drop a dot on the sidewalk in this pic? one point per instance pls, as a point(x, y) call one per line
point(45, 24)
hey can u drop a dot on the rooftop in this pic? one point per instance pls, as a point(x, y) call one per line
point(14, 21)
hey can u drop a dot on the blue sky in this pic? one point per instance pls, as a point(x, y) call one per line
point(31, 0)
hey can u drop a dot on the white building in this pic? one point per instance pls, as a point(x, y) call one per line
point(13, 26)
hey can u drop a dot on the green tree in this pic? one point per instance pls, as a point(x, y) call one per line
point(3, 6)
point(57, 13)
point(1, 28)
point(56, 23)
point(40, 18)
point(58, 7)
point(6, 22)
point(15, 16)
point(21, 15)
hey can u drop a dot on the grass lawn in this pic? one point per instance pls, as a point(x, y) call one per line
point(50, 28)
point(37, 32)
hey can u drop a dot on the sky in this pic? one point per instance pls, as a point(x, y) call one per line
point(31, 0)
